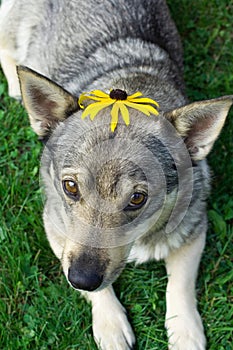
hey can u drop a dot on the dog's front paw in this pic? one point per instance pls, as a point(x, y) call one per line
point(185, 333)
point(111, 328)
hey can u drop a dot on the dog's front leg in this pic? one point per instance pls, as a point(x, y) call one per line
point(111, 328)
point(183, 322)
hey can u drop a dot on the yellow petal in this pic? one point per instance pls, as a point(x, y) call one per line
point(143, 100)
point(114, 114)
point(94, 98)
point(99, 99)
point(95, 111)
point(146, 109)
point(124, 112)
point(99, 93)
point(100, 96)
point(137, 94)
point(82, 97)
point(94, 108)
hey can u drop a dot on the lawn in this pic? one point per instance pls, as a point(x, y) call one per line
point(38, 310)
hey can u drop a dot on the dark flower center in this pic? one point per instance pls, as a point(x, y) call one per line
point(118, 94)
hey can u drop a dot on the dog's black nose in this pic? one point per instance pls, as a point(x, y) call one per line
point(84, 280)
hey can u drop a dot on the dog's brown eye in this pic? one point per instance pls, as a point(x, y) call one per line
point(137, 201)
point(70, 188)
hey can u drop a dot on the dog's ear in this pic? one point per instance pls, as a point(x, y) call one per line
point(200, 124)
point(46, 102)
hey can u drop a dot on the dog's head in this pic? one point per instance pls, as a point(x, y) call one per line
point(106, 189)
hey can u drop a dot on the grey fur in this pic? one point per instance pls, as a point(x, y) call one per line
point(130, 45)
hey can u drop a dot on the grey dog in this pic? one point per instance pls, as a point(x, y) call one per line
point(135, 194)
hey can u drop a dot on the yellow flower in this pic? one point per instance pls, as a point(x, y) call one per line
point(120, 101)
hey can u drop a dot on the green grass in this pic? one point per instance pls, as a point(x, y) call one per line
point(38, 310)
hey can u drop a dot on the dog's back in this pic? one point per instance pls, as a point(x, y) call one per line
point(76, 42)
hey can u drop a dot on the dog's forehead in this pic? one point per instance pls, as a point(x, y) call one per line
point(84, 135)
point(101, 125)
point(112, 162)
point(91, 145)
point(118, 176)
